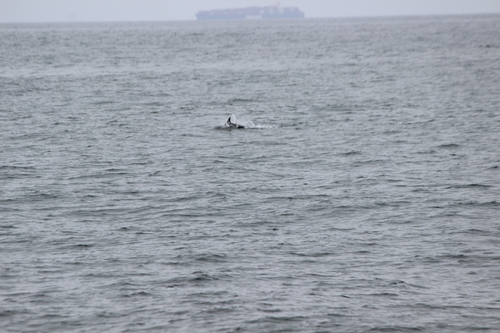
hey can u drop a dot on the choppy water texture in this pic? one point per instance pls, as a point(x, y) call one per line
point(364, 197)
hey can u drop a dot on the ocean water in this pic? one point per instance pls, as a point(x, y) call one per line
point(362, 196)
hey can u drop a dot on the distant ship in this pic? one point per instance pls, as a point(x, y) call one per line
point(270, 12)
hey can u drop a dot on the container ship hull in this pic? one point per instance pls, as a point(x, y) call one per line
point(272, 12)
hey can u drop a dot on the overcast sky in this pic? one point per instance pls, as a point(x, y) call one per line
point(162, 10)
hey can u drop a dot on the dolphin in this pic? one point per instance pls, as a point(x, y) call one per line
point(233, 125)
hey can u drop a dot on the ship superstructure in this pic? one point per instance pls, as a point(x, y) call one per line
point(269, 12)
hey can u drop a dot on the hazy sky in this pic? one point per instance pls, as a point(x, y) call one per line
point(160, 10)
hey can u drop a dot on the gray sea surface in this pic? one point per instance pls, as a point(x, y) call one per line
point(362, 196)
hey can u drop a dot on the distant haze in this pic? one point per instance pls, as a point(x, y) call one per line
point(166, 10)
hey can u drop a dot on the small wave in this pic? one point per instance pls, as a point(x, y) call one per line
point(395, 329)
point(139, 293)
point(83, 245)
point(240, 100)
point(313, 254)
point(473, 231)
point(479, 204)
point(384, 294)
point(196, 278)
point(11, 313)
point(212, 258)
point(104, 102)
point(473, 185)
point(449, 146)
point(350, 153)
point(14, 167)
point(275, 319)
